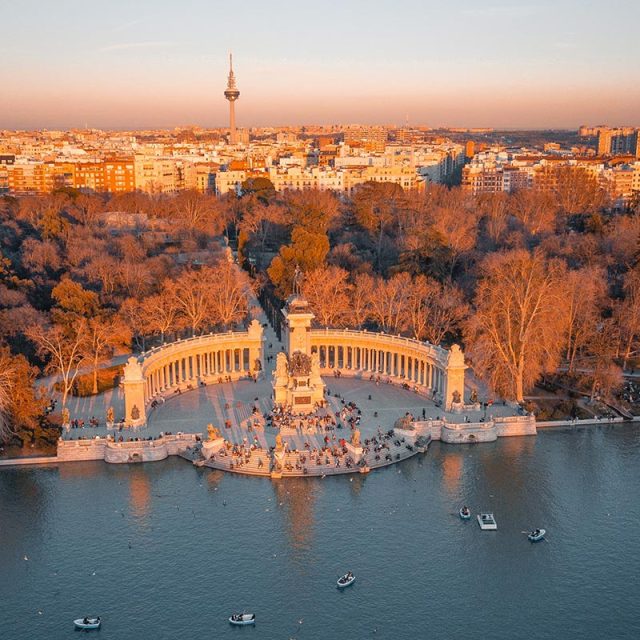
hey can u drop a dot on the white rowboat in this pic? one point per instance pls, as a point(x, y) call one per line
point(537, 535)
point(346, 580)
point(487, 522)
point(465, 513)
point(242, 619)
point(88, 623)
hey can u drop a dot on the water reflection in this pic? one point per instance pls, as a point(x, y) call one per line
point(139, 492)
point(296, 498)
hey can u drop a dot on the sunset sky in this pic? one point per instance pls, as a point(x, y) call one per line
point(152, 63)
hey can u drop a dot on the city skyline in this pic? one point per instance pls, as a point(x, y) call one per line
point(512, 65)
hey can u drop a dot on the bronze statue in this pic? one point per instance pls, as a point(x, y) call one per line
point(213, 432)
point(297, 280)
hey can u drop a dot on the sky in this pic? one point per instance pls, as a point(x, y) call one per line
point(127, 64)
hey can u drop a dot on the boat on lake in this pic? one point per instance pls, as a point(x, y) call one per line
point(88, 623)
point(465, 513)
point(242, 619)
point(346, 580)
point(487, 522)
point(536, 535)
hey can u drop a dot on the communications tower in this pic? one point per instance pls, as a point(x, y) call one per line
point(232, 94)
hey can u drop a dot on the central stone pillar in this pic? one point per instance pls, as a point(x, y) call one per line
point(133, 383)
point(297, 382)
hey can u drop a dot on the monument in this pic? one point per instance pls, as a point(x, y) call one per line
point(296, 381)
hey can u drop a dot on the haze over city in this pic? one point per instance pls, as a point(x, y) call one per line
point(536, 64)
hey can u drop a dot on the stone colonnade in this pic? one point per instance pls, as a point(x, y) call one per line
point(433, 370)
point(185, 364)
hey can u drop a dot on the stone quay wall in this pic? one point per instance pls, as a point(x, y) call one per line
point(124, 452)
point(468, 432)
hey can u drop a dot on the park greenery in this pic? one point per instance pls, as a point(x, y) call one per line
point(532, 284)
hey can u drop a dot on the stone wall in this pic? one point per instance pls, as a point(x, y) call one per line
point(124, 452)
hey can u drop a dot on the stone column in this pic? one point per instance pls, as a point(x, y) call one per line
point(454, 376)
point(134, 401)
point(256, 348)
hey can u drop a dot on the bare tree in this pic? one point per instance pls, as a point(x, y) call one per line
point(327, 290)
point(229, 292)
point(62, 345)
point(583, 291)
point(198, 212)
point(513, 335)
point(388, 302)
point(104, 332)
point(20, 406)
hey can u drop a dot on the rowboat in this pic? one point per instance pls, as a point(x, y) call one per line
point(242, 619)
point(465, 513)
point(487, 522)
point(346, 580)
point(536, 535)
point(87, 623)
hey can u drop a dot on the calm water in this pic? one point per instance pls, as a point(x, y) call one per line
point(158, 554)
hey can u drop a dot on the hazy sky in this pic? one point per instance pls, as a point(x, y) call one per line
point(138, 63)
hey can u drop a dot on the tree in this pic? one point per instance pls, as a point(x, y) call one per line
point(229, 294)
point(314, 210)
point(627, 315)
point(197, 212)
point(360, 309)
point(583, 291)
point(375, 205)
point(62, 346)
point(104, 332)
point(161, 313)
point(494, 208)
point(535, 210)
point(388, 302)
point(72, 297)
point(260, 187)
point(513, 335)
point(192, 294)
point(307, 250)
point(434, 309)
point(20, 405)
point(327, 291)
point(603, 375)
point(577, 191)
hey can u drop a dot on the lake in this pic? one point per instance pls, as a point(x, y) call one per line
point(166, 550)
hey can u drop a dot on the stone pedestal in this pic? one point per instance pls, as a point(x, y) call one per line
point(356, 452)
point(135, 414)
point(211, 447)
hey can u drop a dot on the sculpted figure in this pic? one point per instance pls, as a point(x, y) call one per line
point(455, 398)
point(282, 367)
point(474, 396)
point(212, 432)
point(297, 280)
point(110, 414)
point(279, 444)
point(66, 416)
point(355, 438)
point(135, 412)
